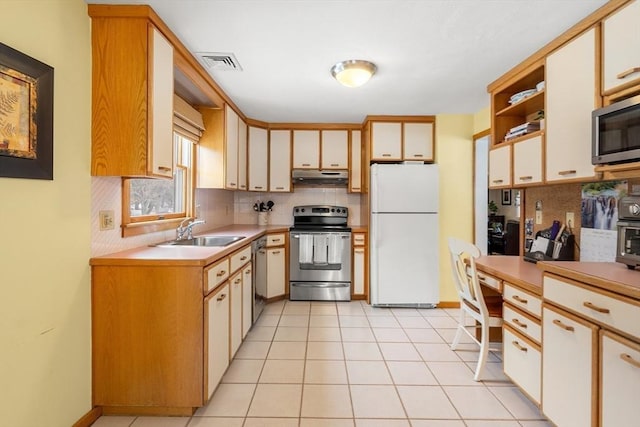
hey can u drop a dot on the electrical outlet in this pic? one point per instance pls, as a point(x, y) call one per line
point(106, 220)
point(538, 217)
point(569, 219)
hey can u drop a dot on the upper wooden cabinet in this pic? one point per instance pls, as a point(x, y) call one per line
point(280, 160)
point(335, 149)
point(572, 95)
point(306, 149)
point(258, 150)
point(355, 171)
point(500, 167)
point(527, 162)
point(132, 98)
point(621, 49)
point(403, 139)
point(242, 154)
point(231, 148)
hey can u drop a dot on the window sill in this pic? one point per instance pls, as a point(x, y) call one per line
point(138, 228)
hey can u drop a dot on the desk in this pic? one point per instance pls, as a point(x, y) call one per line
point(512, 269)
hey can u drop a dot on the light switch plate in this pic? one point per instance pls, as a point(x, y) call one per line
point(106, 220)
point(538, 217)
point(569, 219)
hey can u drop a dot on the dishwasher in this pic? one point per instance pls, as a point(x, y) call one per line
point(259, 278)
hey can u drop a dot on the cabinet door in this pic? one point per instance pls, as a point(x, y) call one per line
point(500, 167)
point(280, 161)
point(621, 48)
point(335, 149)
point(570, 90)
point(386, 141)
point(242, 155)
point(231, 148)
point(306, 149)
point(355, 172)
point(247, 299)
point(418, 141)
point(569, 369)
point(359, 270)
point(216, 337)
point(258, 159)
point(235, 327)
point(161, 131)
point(527, 161)
point(275, 272)
point(620, 382)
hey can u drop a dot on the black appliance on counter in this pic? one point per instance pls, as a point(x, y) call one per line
point(629, 231)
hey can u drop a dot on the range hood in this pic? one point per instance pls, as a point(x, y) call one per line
point(320, 177)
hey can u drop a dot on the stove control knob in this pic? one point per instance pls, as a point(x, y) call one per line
point(333, 210)
point(302, 209)
point(634, 209)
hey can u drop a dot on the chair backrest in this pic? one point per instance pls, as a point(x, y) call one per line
point(465, 275)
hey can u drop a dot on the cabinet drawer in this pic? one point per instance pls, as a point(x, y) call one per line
point(523, 300)
point(606, 309)
point(490, 281)
point(240, 258)
point(522, 362)
point(216, 274)
point(524, 324)
point(358, 239)
point(275, 240)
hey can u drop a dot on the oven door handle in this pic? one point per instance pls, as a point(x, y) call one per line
point(321, 285)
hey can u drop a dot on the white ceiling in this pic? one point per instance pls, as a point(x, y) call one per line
point(433, 56)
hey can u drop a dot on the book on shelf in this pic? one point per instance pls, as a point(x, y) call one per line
point(522, 129)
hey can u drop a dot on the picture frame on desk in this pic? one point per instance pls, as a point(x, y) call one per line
point(506, 197)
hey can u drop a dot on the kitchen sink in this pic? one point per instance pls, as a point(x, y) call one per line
point(204, 241)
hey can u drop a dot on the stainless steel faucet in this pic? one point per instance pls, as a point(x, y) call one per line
point(187, 229)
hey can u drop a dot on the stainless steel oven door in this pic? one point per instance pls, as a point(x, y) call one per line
point(317, 256)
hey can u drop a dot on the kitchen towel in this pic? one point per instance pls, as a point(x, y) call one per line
point(320, 249)
point(335, 249)
point(305, 256)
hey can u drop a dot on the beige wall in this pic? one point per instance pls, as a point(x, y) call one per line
point(454, 139)
point(482, 120)
point(45, 330)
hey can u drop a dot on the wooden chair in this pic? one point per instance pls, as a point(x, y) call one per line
point(487, 312)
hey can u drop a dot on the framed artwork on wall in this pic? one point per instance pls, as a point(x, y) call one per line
point(506, 197)
point(26, 116)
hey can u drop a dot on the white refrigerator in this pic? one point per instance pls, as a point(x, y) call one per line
point(404, 260)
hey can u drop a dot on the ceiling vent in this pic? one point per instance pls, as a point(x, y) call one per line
point(220, 61)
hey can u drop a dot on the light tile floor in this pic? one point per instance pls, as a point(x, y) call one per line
point(327, 364)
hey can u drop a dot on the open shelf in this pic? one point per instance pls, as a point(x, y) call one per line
point(526, 106)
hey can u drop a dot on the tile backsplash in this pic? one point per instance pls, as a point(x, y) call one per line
point(217, 207)
point(282, 212)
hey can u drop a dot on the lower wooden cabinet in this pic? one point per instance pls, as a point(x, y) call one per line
point(620, 381)
point(247, 299)
point(235, 324)
point(359, 285)
point(522, 362)
point(276, 265)
point(217, 337)
point(569, 369)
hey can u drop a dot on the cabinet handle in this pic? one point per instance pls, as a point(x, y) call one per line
point(569, 172)
point(355, 188)
point(243, 186)
point(386, 155)
point(596, 308)
point(335, 164)
point(248, 271)
point(518, 346)
point(627, 358)
point(232, 184)
point(258, 188)
point(497, 181)
point(358, 251)
point(243, 258)
point(262, 252)
point(526, 178)
point(519, 323)
point(275, 252)
point(418, 155)
point(279, 188)
point(482, 278)
point(306, 164)
point(238, 280)
point(275, 240)
point(563, 326)
point(520, 300)
point(164, 169)
point(628, 72)
point(221, 273)
point(221, 297)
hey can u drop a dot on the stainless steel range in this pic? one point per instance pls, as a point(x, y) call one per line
point(320, 254)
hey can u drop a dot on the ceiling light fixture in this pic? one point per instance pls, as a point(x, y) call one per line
point(353, 72)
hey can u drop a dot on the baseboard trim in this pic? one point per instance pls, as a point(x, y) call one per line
point(179, 411)
point(89, 418)
point(449, 304)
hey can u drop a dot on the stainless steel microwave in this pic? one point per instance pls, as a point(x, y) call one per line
point(616, 132)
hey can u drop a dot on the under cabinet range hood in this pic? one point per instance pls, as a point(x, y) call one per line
point(320, 177)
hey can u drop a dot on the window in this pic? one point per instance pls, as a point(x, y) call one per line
point(158, 204)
